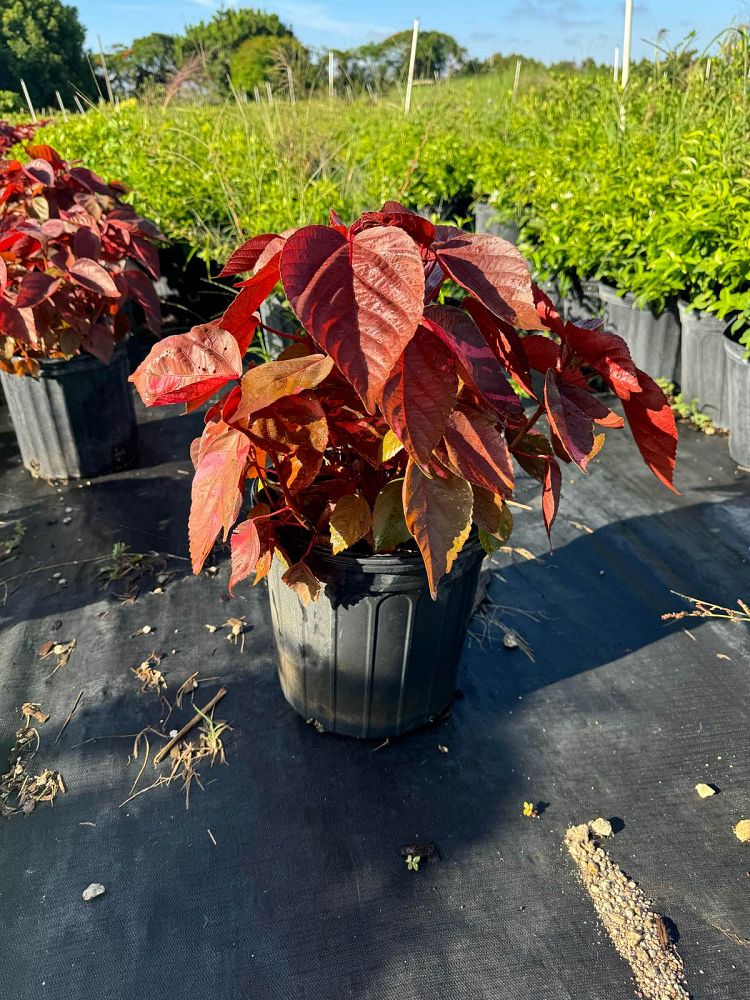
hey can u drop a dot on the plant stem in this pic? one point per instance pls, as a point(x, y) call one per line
point(527, 426)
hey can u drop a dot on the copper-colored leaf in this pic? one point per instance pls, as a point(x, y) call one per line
point(477, 451)
point(294, 432)
point(303, 582)
point(360, 297)
point(504, 341)
point(479, 365)
point(188, 366)
point(573, 427)
point(653, 425)
point(246, 256)
point(245, 545)
point(438, 515)
point(551, 493)
point(420, 393)
point(94, 278)
point(263, 385)
point(217, 487)
point(492, 270)
point(350, 521)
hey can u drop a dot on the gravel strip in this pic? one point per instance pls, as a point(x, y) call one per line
point(637, 932)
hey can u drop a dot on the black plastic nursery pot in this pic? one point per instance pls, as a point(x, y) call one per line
point(374, 656)
point(488, 220)
point(582, 302)
point(703, 374)
point(653, 338)
point(738, 400)
point(76, 419)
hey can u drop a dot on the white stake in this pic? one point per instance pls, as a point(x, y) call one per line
point(330, 74)
point(62, 106)
point(412, 61)
point(708, 69)
point(515, 81)
point(627, 32)
point(616, 70)
point(28, 100)
point(269, 92)
point(78, 104)
point(257, 94)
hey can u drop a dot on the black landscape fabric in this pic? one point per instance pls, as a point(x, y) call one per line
point(285, 878)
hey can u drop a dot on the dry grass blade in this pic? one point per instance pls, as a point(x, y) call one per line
point(70, 716)
point(189, 725)
point(20, 791)
point(488, 620)
point(704, 609)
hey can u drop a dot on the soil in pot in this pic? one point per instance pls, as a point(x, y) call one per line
point(738, 400)
point(76, 419)
point(374, 656)
point(704, 363)
point(653, 338)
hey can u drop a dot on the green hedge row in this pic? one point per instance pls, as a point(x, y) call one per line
point(654, 199)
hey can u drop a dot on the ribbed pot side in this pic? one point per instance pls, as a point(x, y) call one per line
point(704, 364)
point(76, 419)
point(374, 656)
point(738, 395)
point(653, 339)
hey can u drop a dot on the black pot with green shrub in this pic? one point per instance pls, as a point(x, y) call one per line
point(653, 338)
point(703, 363)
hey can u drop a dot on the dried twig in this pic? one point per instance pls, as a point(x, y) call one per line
point(188, 726)
point(704, 609)
point(70, 716)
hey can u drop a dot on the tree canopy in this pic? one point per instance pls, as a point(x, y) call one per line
point(41, 41)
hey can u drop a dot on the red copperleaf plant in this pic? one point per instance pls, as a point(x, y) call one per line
point(71, 254)
point(391, 419)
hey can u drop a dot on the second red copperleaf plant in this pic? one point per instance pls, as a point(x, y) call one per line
point(390, 419)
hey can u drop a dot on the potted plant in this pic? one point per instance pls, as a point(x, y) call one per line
point(382, 442)
point(72, 254)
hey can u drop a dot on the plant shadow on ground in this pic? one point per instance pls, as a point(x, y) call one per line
point(305, 893)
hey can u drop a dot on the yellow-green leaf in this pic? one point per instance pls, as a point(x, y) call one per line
point(388, 522)
point(351, 520)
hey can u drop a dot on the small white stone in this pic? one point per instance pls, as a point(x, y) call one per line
point(704, 790)
point(601, 827)
point(92, 891)
point(146, 629)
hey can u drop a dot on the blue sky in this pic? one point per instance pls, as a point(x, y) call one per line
point(547, 29)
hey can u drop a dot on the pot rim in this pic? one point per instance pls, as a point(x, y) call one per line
point(383, 562)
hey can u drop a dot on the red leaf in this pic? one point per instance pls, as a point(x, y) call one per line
point(361, 298)
point(592, 406)
point(245, 257)
point(479, 366)
point(653, 425)
point(188, 366)
point(420, 394)
point(3, 275)
point(99, 342)
point(146, 254)
point(86, 242)
point(573, 427)
point(141, 288)
point(438, 515)
point(335, 222)
point(43, 152)
point(36, 286)
point(475, 450)
point(92, 276)
point(549, 316)
point(294, 432)
point(504, 341)
point(551, 493)
point(303, 582)
point(607, 354)
point(245, 552)
point(542, 352)
point(492, 270)
point(239, 319)
point(263, 385)
point(421, 230)
point(216, 495)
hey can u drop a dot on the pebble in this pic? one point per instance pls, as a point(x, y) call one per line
point(704, 790)
point(742, 830)
point(601, 827)
point(92, 891)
